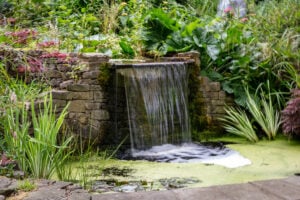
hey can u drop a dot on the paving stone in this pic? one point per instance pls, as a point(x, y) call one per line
point(201, 193)
point(279, 188)
point(245, 192)
point(295, 180)
point(47, 193)
point(7, 186)
point(163, 195)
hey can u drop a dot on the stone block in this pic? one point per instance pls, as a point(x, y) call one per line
point(77, 106)
point(204, 80)
point(92, 106)
point(213, 95)
point(222, 95)
point(60, 94)
point(65, 84)
point(80, 96)
point(214, 86)
point(88, 81)
point(100, 115)
point(78, 87)
point(53, 74)
point(217, 102)
point(63, 67)
point(93, 57)
point(95, 87)
point(218, 110)
point(91, 74)
point(83, 118)
point(59, 103)
point(98, 95)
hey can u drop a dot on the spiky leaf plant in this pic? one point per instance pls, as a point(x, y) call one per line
point(237, 122)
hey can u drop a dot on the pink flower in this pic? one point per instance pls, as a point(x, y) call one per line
point(244, 19)
point(228, 9)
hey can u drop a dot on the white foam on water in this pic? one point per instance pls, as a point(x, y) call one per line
point(193, 153)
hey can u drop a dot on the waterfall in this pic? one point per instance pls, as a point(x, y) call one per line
point(157, 104)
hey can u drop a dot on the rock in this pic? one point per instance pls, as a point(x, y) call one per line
point(2, 197)
point(7, 186)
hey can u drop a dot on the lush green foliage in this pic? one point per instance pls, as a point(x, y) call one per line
point(38, 154)
point(237, 122)
point(264, 113)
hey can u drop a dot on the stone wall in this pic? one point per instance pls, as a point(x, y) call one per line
point(89, 99)
point(88, 84)
point(212, 101)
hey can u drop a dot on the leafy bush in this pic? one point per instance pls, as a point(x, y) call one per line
point(290, 116)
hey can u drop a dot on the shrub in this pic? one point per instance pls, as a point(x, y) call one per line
point(290, 116)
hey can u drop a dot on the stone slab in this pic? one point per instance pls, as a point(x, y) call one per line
point(295, 180)
point(153, 195)
point(279, 188)
point(244, 191)
point(7, 186)
point(201, 193)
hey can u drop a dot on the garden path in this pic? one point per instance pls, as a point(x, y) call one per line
point(279, 189)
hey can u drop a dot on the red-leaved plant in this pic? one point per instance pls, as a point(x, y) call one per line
point(290, 116)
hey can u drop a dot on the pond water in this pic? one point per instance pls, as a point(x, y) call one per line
point(213, 153)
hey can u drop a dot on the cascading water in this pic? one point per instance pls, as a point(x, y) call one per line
point(157, 104)
point(158, 118)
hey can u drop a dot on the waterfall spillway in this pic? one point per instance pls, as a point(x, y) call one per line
point(158, 118)
point(157, 104)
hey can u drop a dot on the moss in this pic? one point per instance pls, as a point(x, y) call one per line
point(105, 75)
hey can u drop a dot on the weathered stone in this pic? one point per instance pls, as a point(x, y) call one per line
point(77, 106)
point(2, 197)
point(100, 115)
point(53, 74)
point(65, 84)
point(7, 186)
point(222, 95)
point(92, 106)
point(60, 94)
point(218, 109)
point(94, 57)
point(83, 119)
point(213, 95)
point(59, 103)
point(217, 102)
point(80, 96)
point(55, 82)
point(204, 80)
point(88, 81)
point(214, 86)
point(95, 87)
point(98, 95)
point(72, 115)
point(91, 74)
point(63, 67)
point(78, 87)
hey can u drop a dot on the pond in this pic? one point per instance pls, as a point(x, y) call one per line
point(269, 160)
